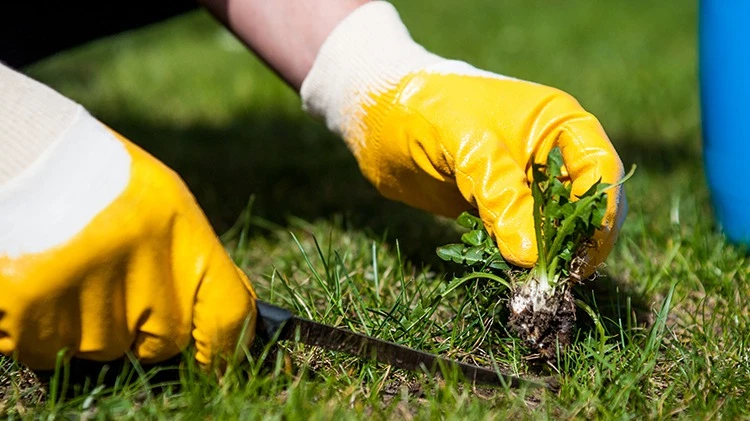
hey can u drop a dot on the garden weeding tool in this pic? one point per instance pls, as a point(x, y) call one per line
point(276, 323)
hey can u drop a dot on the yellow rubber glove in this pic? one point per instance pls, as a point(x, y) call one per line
point(103, 250)
point(446, 137)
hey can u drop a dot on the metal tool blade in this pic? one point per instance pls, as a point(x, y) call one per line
point(280, 324)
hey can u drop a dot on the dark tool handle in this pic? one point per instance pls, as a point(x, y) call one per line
point(271, 320)
point(276, 323)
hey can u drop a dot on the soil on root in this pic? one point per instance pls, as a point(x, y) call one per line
point(544, 327)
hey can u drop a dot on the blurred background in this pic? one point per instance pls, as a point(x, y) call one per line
point(190, 94)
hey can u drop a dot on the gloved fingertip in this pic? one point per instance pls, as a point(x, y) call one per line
point(516, 240)
point(507, 211)
point(522, 253)
point(224, 314)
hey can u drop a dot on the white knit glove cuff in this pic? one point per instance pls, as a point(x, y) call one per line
point(59, 166)
point(369, 51)
point(32, 116)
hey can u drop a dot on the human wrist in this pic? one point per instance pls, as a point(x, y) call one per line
point(371, 50)
point(285, 34)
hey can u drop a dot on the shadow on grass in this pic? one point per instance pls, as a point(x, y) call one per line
point(292, 166)
point(616, 302)
point(659, 156)
point(93, 378)
point(82, 377)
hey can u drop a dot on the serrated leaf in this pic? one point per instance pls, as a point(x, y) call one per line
point(554, 163)
point(568, 209)
point(559, 189)
point(553, 211)
point(570, 225)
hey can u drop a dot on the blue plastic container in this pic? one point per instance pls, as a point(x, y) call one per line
point(724, 69)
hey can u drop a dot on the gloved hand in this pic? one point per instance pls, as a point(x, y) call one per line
point(446, 137)
point(103, 250)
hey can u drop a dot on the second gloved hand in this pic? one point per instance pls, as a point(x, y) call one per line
point(444, 136)
point(103, 251)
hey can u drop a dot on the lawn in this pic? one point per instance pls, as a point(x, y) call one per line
point(673, 337)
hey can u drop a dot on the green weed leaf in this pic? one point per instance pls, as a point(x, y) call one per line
point(473, 255)
point(562, 224)
point(469, 221)
point(499, 264)
point(451, 252)
point(474, 237)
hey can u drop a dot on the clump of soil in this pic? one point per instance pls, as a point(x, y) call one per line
point(543, 321)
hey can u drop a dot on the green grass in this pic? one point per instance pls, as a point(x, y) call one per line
point(318, 239)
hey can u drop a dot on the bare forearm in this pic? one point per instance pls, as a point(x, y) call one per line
point(286, 34)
